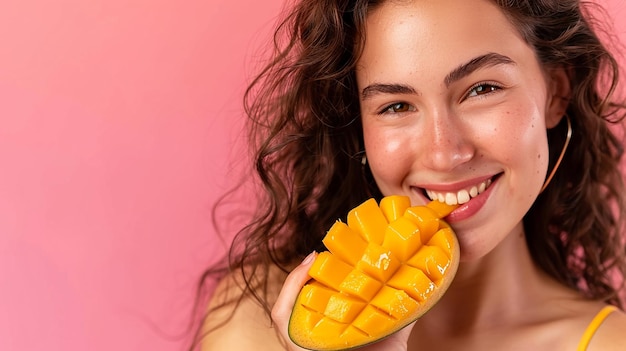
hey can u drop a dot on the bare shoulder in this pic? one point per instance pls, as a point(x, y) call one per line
point(611, 335)
point(237, 321)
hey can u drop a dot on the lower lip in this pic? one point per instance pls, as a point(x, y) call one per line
point(471, 207)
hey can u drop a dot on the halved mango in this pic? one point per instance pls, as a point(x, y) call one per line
point(384, 269)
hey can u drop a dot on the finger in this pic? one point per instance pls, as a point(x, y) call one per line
point(289, 292)
point(403, 335)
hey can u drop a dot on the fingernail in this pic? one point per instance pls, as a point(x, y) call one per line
point(309, 258)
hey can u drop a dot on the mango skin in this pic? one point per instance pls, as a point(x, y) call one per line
point(369, 284)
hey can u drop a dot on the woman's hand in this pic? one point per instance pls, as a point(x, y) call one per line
point(287, 297)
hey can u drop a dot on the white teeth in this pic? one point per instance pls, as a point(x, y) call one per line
point(451, 199)
point(460, 197)
point(463, 196)
point(473, 191)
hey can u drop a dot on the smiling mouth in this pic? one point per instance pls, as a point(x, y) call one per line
point(459, 197)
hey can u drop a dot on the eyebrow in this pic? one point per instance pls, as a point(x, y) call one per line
point(487, 60)
point(379, 88)
point(465, 69)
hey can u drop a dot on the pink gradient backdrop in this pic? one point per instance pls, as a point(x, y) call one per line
point(117, 120)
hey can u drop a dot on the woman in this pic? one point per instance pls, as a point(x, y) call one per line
point(433, 99)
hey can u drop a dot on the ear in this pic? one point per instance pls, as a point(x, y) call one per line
point(559, 94)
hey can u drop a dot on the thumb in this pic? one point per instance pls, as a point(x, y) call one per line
point(289, 292)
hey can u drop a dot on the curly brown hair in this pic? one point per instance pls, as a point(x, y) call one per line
point(305, 132)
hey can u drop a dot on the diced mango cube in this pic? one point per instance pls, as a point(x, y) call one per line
point(329, 270)
point(343, 308)
point(329, 328)
point(344, 242)
point(432, 260)
point(441, 208)
point(352, 336)
point(414, 282)
point(310, 319)
point(395, 302)
point(402, 237)
point(368, 220)
point(378, 262)
point(360, 285)
point(372, 321)
point(443, 239)
point(315, 296)
point(393, 206)
point(425, 218)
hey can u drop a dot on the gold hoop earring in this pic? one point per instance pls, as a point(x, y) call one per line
point(558, 161)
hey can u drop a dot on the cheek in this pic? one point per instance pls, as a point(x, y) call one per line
point(537, 157)
point(525, 149)
point(388, 154)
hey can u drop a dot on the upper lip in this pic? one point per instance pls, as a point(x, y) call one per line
point(453, 187)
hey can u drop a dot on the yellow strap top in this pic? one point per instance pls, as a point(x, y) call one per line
point(594, 325)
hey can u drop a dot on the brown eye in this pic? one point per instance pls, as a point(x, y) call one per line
point(398, 108)
point(482, 89)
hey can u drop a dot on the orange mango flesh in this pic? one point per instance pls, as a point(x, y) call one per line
point(384, 269)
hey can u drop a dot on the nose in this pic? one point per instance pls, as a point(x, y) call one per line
point(448, 142)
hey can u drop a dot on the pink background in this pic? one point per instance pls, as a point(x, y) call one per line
point(117, 124)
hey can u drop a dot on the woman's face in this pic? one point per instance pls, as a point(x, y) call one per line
point(455, 106)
